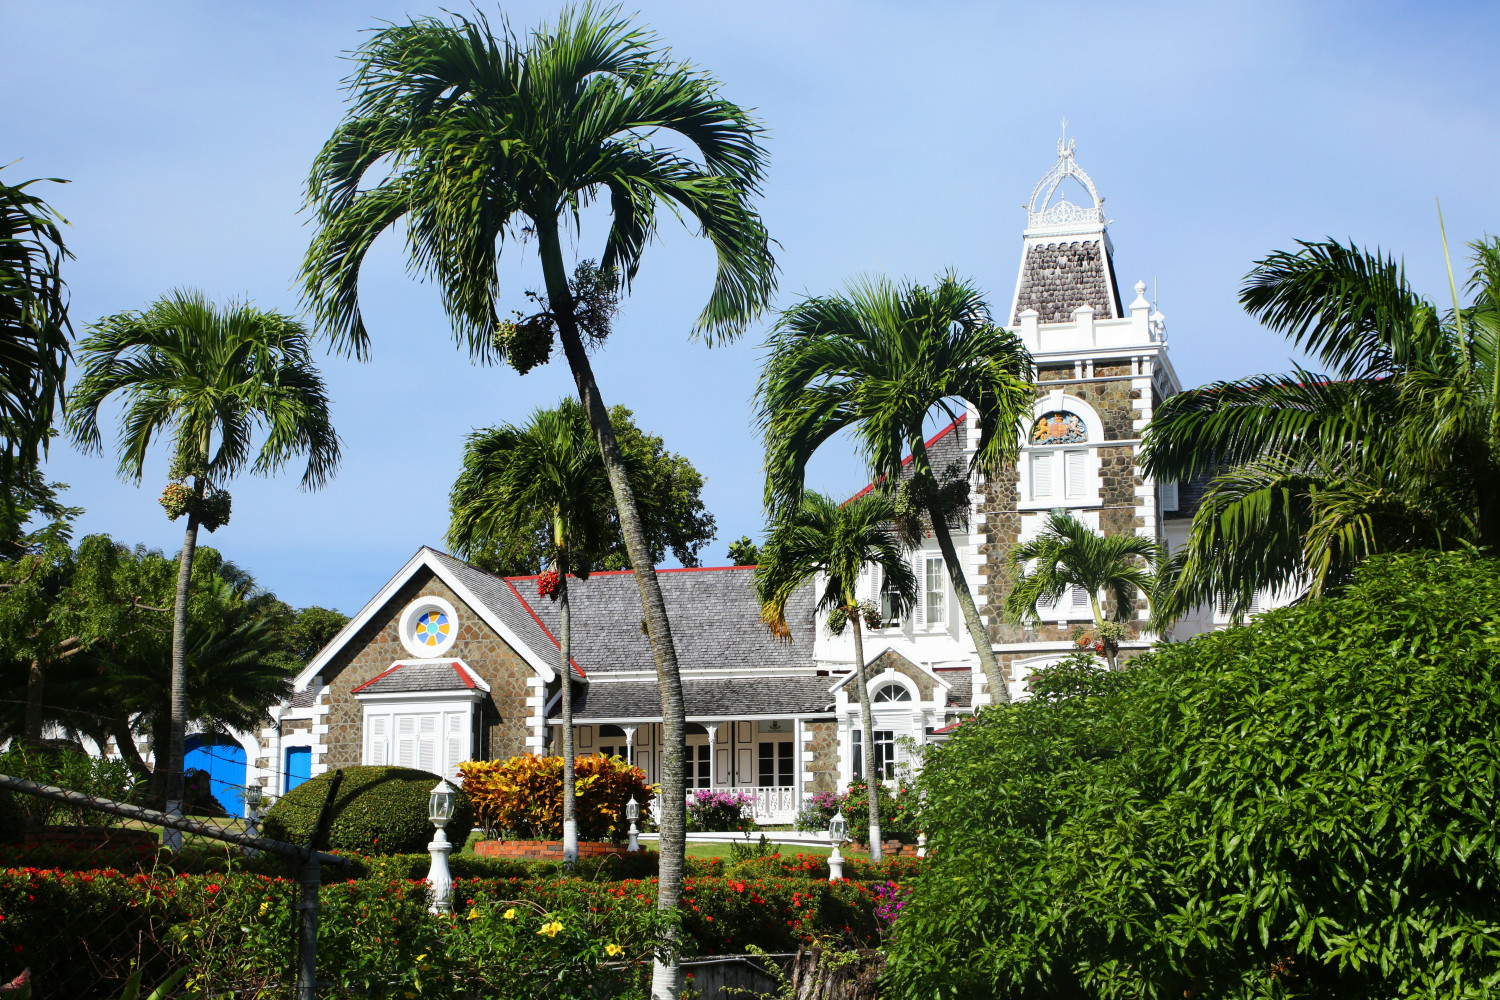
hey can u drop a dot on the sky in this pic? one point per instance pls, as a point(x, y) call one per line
point(903, 139)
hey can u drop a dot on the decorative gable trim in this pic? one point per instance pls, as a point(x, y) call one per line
point(942, 684)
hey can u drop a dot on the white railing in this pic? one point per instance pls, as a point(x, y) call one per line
point(775, 805)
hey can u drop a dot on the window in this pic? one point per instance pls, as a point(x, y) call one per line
point(891, 692)
point(935, 597)
point(857, 747)
point(1168, 493)
point(1080, 599)
point(885, 754)
point(699, 760)
point(889, 601)
point(1221, 609)
point(775, 765)
point(433, 741)
point(1074, 603)
point(1059, 474)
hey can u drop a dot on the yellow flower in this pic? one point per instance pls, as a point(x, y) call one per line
point(474, 913)
point(510, 914)
point(550, 929)
point(264, 907)
point(421, 956)
point(613, 949)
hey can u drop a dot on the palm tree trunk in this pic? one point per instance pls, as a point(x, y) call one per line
point(867, 720)
point(993, 675)
point(177, 727)
point(666, 977)
point(36, 684)
point(565, 671)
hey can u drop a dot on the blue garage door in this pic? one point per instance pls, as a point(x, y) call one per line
point(224, 760)
point(298, 766)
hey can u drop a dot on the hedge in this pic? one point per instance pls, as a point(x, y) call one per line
point(379, 810)
point(80, 931)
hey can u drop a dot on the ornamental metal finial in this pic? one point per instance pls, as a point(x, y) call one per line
point(1063, 212)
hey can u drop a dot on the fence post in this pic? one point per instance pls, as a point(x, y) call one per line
point(311, 879)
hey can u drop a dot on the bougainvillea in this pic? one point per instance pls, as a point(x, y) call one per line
point(719, 812)
point(522, 796)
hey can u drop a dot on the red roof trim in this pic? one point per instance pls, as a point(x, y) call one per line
point(622, 572)
point(537, 619)
point(463, 675)
point(907, 460)
point(372, 680)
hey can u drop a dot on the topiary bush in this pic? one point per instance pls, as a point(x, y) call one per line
point(379, 810)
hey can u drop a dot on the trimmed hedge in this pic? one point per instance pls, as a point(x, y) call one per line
point(379, 810)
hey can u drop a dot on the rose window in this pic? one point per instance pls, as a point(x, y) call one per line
point(432, 628)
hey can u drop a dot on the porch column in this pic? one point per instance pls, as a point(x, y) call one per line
point(799, 755)
point(629, 745)
point(713, 731)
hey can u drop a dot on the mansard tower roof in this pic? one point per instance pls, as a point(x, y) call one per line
point(1067, 259)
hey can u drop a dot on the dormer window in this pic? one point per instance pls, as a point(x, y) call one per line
point(890, 693)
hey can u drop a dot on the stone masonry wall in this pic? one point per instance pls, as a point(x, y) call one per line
point(377, 646)
point(824, 748)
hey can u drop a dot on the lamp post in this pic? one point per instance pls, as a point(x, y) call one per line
point(837, 827)
point(633, 813)
point(252, 815)
point(440, 806)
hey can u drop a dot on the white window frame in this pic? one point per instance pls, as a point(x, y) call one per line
point(452, 738)
point(933, 565)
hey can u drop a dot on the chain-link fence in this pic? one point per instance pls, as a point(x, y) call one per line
point(87, 900)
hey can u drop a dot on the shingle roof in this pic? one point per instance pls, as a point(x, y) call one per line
point(1189, 496)
point(1059, 277)
point(714, 613)
point(509, 606)
point(944, 449)
point(441, 676)
point(960, 687)
point(705, 699)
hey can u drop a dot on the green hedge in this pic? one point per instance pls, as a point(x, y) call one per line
point(379, 810)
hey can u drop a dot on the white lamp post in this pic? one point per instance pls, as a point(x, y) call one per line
point(440, 807)
point(633, 813)
point(252, 814)
point(836, 830)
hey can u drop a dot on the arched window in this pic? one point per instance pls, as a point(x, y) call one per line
point(889, 693)
point(1058, 463)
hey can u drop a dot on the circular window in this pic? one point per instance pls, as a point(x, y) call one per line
point(429, 627)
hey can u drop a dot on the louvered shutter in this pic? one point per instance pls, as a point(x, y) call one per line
point(1077, 476)
point(1255, 605)
point(1080, 599)
point(380, 740)
point(458, 744)
point(1169, 495)
point(427, 742)
point(1041, 475)
point(406, 740)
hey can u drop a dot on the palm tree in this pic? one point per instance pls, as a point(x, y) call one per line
point(831, 543)
point(211, 379)
point(34, 328)
point(881, 359)
point(510, 473)
point(473, 137)
point(1396, 447)
point(1068, 553)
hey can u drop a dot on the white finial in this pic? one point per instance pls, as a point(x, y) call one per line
point(1156, 321)
point(1043, 211)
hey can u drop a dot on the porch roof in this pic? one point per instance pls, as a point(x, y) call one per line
point(704, 700)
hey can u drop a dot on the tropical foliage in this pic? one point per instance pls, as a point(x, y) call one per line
point(522, 796)
point(1302, 807)
point(1394, 447)
point(1067, 553)
point(378, 810)
point(882, 360)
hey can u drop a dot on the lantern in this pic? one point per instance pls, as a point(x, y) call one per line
point(632, 810)
point(838, 828)
point(441, 804)
point(440, 807)
point(252, 797)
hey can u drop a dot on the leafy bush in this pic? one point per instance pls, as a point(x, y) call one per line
point(820, 808)
point(78, 772)
point(379, 810)
point(522, 796)
point(1300, 807)
point(898, 812)
point(815, 866)
point(712, 811)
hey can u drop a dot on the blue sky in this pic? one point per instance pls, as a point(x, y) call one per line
point(904, 138)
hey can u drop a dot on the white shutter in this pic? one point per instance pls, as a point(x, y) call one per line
point(427, 742)
point(1080, 599)
point(1255, 605)
point(1041, 475)
point(406, 740)
point(1078, 464)
point(1168, 495)
point(380, 740)
point(458, 743)
point(1046, 606)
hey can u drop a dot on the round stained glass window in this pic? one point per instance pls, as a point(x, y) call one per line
point(1058, 427)
point(432, 628)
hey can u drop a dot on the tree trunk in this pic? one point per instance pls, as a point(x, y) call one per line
point(993, 675)
point(36, 685)
point(565, 671)
point(125, 743)
point(177, 727)
point(867, 720)
point(666, 977)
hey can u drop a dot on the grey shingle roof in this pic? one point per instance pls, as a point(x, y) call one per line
point(304, 699)
point(706, 699)
point(1059, 277)
point(944, 450)
point(440, 676)
point(715, 618)
point(960, 690)
point(510, 607)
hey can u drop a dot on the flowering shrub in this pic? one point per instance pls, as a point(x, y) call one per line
point(888, 902)
point(898, 813)
point(815, 866)
point(820, 808)
point(523, 795)
point(716, 812)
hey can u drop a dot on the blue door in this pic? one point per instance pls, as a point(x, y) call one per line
point(224, 760)
point(298, 766)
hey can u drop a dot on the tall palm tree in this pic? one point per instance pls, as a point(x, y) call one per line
point(1396, 447)
point(881, 359)
point(831, 543)
point(210, 378)
point(1068, 553)
point(550, 464)
point(473, 137)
